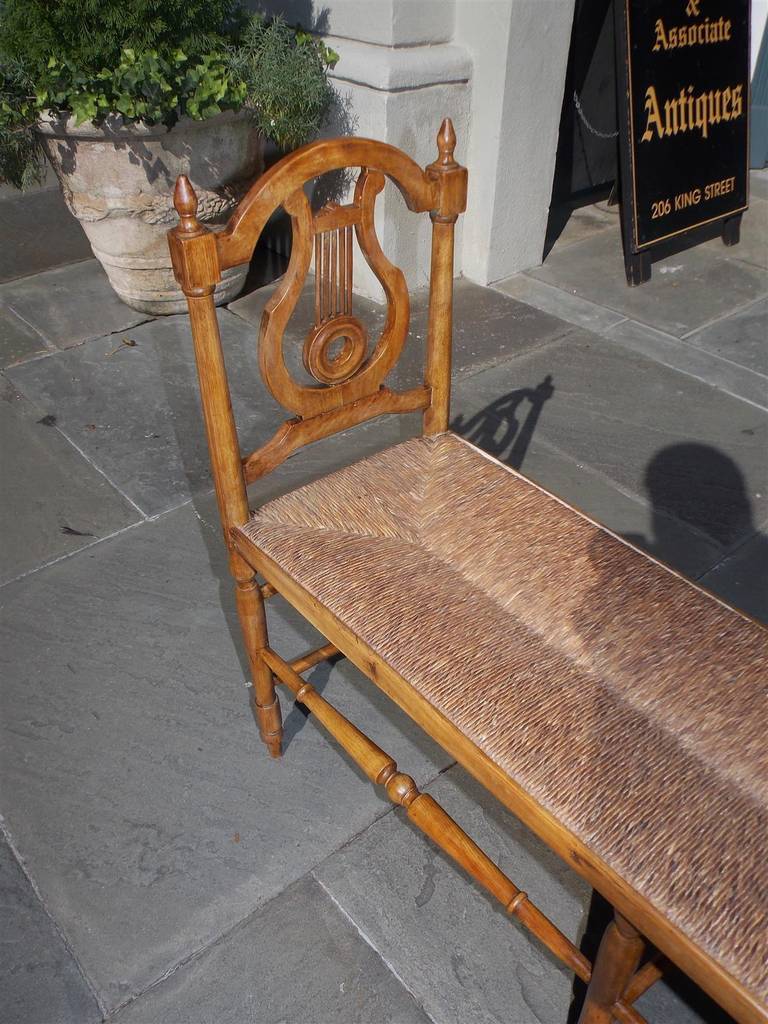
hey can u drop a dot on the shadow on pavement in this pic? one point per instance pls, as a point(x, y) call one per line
point(701, 487)
point(499, 428)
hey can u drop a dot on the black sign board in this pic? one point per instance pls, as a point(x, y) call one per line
point(684, 123)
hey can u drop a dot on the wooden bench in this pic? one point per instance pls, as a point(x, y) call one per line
point(617, 709)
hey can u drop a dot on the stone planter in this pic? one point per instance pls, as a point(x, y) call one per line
point(118, 181)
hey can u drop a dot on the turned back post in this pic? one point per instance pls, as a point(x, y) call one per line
point(347, 369)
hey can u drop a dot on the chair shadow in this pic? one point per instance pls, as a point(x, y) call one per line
point(499, 428)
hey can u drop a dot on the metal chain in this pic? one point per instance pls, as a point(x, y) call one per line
point(583, 116)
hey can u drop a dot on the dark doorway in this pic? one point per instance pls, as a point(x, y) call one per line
point(586, 162)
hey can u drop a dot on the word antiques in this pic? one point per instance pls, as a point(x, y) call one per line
point(687, 112)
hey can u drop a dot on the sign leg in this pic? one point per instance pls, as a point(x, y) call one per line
point(732, 230)
point(638, 267)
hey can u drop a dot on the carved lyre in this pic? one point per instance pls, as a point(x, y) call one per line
point(334, 319)
point(348, 369)
point(336, 350)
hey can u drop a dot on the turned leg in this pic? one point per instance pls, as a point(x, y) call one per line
point(617, 958)
point(253, 621)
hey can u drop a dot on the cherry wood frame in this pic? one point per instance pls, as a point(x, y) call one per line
point(351, 391)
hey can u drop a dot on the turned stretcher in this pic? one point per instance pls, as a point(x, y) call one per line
point(618, 710)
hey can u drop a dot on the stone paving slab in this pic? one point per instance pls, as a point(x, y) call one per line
point(460, 955)
point(698, 356)
point(489, 328)
point(742, 577)
point(559, 303)
point(54, 502)
point(452, 945)
point(686, 291)
point(135, 411)
point(758, 183)
point(753, 242)
point(135, 785)
point(729, 354)
point(69, 304)
point(635, 423)
point(18, 341)
point(39, 979)
point(741, 338)
point(44, 233)
point(298, 960)
point(584, 222)
point(677, 1000)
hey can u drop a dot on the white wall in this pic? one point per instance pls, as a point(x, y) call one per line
point(757, 27)
point(399, 75)
point(401, 96)
point(497, 68)
point(382, 22)
point(520, 51)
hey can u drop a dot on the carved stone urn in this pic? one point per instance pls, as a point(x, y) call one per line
point(118, 181)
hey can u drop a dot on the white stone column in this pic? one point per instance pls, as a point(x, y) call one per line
point(399, 75)
point(400, 96)
point(497, 68)
point(519, 52)
point(757, 26)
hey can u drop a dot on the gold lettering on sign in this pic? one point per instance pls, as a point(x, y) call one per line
point(704, 32)
point(686, 112)
point(690, 198)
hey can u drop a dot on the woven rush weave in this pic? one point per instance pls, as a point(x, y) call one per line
point(631, 705)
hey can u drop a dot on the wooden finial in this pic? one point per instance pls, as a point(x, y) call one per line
point(185, 201)
point(446, 143)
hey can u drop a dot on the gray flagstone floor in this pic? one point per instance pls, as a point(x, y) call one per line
point(155, 865)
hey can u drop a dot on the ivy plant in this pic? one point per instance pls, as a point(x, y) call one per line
point(130, 68)
point(142, 87)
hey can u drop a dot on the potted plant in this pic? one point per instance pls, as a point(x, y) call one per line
point(121, 96)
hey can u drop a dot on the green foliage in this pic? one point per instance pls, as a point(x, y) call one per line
point(283, 71)
point(145, 87)
point(154, 61)
point(91, 34)
point(21, 155)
